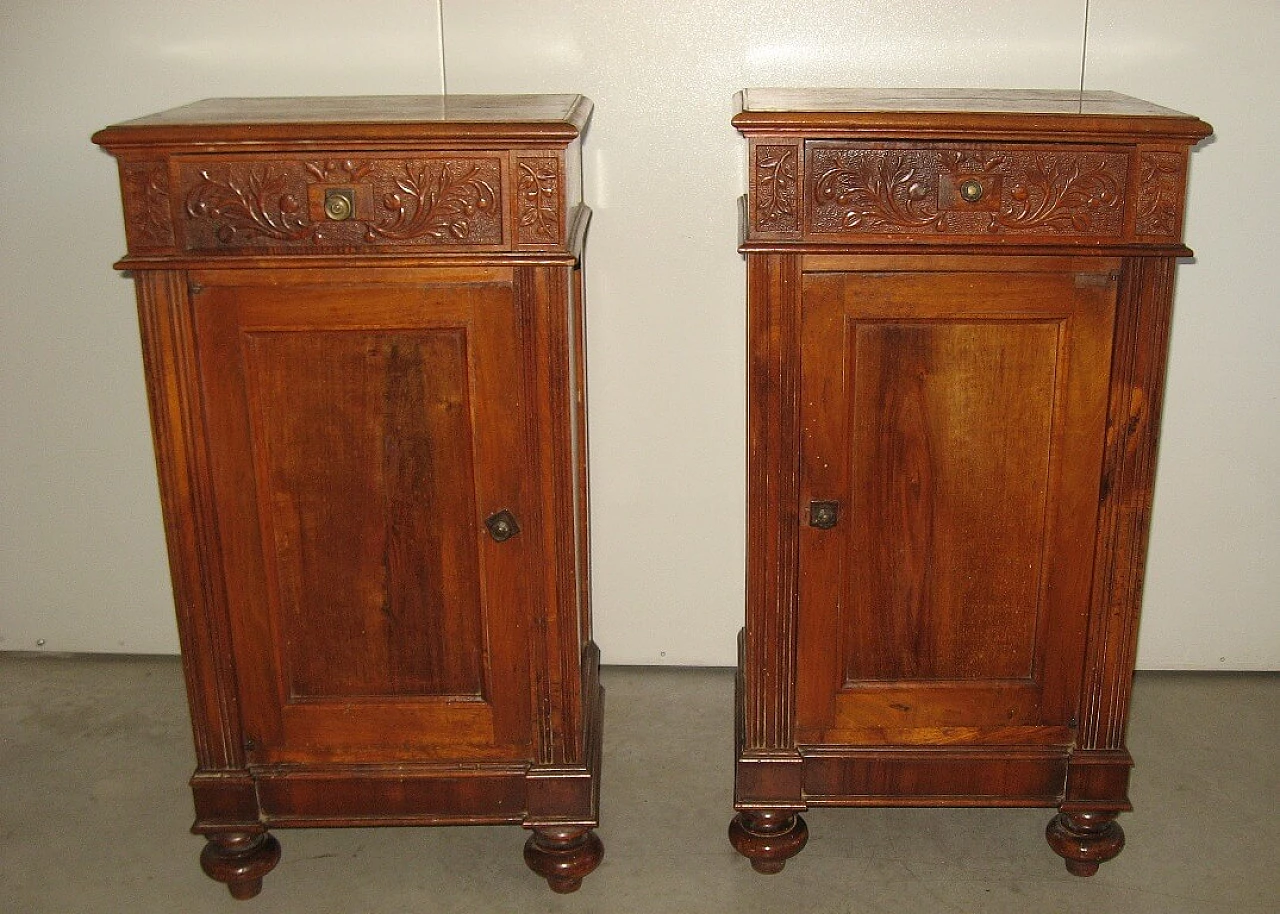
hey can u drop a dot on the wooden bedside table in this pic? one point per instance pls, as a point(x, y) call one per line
point(362, 323)
point(959, 313)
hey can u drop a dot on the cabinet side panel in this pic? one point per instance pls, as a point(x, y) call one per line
point(773, 466)
point(1128, 479)
point(582, 450)
point(182, 463)
point(545, 297)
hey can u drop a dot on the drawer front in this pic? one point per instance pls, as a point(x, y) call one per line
point(241, 202)
point(273, 203)
point(829, 191)
point(857, 189)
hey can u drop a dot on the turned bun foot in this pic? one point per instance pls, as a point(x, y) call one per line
point(1085, 839)
point(563, 855)
point(240, 859)
point(768, 839)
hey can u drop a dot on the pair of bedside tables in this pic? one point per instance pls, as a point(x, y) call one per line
point(363, 331)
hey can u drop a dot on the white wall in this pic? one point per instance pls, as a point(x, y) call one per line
point(1213, 575)
point(81, 556)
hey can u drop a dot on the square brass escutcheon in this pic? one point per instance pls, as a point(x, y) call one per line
point(952, 196)
point(339, 203)
point(329, 203)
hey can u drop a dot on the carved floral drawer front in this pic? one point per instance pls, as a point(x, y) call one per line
point(342, 202)
point(855, 189)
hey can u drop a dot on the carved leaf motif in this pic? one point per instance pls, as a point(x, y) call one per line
point(146, 195)
point(334, 170)
point(775, 189)
point(1160, 196)
point(968, 161)
point(1062, 194)
point(274, 204)
point(886, 191)
point(890, 191)
point(250, 201)
point(436, 206)
point(538, 187)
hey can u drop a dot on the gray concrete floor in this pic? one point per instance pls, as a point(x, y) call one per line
point(94, 811)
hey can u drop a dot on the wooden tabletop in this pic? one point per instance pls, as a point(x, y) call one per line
point(386, 117)
point(1013, 113)
point(1026, 101)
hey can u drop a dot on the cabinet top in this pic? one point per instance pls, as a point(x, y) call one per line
point(388, 118)
point(1004, 113)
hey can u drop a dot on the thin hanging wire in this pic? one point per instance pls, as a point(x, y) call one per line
point(1084, 52)
point(444, 75)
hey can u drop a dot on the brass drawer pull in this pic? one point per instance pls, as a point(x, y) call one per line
point(971, 190)
point(339, 203)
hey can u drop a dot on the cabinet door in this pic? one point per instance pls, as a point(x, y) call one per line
point(363, 426)
point(952, 418)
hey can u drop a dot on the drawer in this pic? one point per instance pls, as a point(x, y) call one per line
point(859, 188)
point(340, 201)
point(348, 202)
point(843, 191)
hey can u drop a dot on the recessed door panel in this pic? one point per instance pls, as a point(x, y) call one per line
point(949, 446)
point(950, 594)
point(369, 431)
point(381, 420)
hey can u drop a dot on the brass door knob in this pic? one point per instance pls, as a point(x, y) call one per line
point(824, 514)
point(502, 526)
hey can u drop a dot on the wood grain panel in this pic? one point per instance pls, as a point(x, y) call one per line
point(773, 306)
point(1128, 479)
point(186, 497)
point(399, 795)
point(936, 776)
point(377, 617)
point(949, 452)
point(363, 332)
point(949, 506)
point(370, 431)
point(935, 410)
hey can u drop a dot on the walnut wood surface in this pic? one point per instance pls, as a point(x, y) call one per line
point(412, 118)
point(969, 385)
point(892, 192)
point(400, 420)
point(1058, 115)
point(948, 101)
point(339, 405)
point(240, 860)
point(768, 839)
point(420, 173)
point(957, 416)
point(563, 856)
